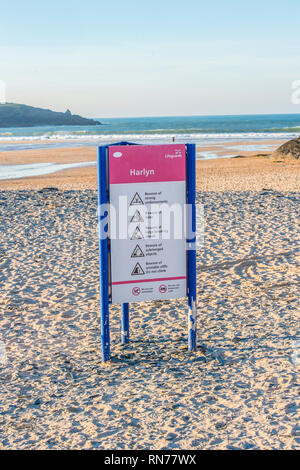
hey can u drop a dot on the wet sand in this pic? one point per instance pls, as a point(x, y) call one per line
point(252, 173)
point(238, 391)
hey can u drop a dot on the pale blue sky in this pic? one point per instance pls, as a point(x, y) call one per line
point(142, 58)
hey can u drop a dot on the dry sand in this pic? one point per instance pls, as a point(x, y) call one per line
point(239, 391)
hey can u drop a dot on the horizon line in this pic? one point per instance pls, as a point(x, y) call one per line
point(195, 115)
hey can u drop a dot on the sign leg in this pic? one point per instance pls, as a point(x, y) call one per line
point(191, 246)
point(105, 336)
point(192, 326)
point(103, 248)
point(192, 320)
point(125, 324)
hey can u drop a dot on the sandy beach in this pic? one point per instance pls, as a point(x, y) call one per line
point(252, 173)
point(240, 390)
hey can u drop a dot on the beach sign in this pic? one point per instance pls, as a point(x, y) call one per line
point(142, 262)
point(147, 230)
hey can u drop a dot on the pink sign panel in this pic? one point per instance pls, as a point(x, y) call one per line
point(146, 164)
point(144, 181)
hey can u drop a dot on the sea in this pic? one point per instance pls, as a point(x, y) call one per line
point(229, 133)
point(155, 130)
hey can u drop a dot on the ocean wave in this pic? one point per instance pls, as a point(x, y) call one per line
point(146, 137)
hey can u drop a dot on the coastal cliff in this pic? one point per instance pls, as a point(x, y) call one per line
point(21, 115)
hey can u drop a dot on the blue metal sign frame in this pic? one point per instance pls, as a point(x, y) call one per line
point(103, 200)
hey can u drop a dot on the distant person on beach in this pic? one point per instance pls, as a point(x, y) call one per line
point(173, 139)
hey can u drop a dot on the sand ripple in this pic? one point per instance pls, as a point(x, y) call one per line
point(238, 391)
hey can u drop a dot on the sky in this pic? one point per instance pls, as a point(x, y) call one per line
point(151, 58)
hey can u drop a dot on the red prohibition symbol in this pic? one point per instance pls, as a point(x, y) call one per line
point(163, 289)
point(136, 291)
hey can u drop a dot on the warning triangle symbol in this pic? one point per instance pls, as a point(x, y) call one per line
point(136, 200)
point(137, 234)
point(137, 270)
point(137, 252)
point(137, 217)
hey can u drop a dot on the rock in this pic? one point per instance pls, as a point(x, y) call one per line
point(210, 399)
point(74, 409)
point(221, 425)
point(171, 436)
point(290, 149)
